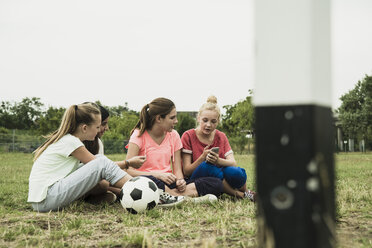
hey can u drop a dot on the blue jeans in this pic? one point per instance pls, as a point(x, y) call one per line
point(235, 176)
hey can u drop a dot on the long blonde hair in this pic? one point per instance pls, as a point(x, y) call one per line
point(73, 116)
point(159, 106)
point(211, 104)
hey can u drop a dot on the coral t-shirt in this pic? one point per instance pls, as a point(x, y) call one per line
point(192, 145)
point(158, 157)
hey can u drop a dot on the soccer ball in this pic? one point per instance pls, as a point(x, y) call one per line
point(139, 194)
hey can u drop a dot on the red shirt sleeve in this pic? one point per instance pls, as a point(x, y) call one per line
point(225, 144)
point(186, 142)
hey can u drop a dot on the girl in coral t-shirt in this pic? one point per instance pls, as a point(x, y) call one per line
point(154, 137)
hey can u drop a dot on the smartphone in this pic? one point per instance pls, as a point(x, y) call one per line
point(215, 149)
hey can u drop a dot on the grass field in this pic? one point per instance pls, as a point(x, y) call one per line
point(227, 223)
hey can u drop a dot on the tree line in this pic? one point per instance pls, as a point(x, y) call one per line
point(32, 119)
point(355, 113)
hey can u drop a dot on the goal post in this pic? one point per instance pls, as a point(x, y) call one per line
point(294, 124)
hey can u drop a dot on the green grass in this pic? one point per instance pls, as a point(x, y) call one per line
point(227, 223)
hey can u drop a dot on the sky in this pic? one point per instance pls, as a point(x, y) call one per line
point(117, 52)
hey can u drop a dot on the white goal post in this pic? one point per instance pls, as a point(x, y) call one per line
point(294, 124)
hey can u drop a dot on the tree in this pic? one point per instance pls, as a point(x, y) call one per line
point(50, 120)
point(21, 115)
point(185, 122)
point(355, 112)
point(119, 110)
point(239, 118)
point(238, 122)
point(120, 126)
point(7, 118)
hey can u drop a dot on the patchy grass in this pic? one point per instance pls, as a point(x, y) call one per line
point(354, 199)
point(227, 223)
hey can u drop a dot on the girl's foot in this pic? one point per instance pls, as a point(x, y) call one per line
point(202, 199)
point(107, 197)
point(251, 195)
point(168, 200)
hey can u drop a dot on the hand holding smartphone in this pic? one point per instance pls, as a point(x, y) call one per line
point(215, 149)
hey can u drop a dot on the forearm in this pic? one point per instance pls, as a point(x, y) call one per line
point(177, 170)
point(177, 166)
point(134, 173)
point(178, 173)
point(189, 169)
point(122, 164)
point(226, 162)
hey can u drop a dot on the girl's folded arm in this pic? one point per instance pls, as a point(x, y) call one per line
point(83, 155)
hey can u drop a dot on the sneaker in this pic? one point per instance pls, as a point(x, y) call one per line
point(210, 198)
point(107, 197)
point(168, 200)
point(251, 195)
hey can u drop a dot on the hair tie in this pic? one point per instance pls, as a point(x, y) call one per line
point(76, 107)
point(147, 107)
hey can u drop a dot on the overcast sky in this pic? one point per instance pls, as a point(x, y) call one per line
point(68, 52)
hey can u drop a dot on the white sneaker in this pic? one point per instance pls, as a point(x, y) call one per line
point(205, 198)
point(251, 195)
point(168, 200)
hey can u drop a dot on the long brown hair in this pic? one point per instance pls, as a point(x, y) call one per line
point(73, 116)
point(93, 145)
point(159, 106)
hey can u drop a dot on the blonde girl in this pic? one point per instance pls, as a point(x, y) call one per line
point(200, 161)
point(54, 180)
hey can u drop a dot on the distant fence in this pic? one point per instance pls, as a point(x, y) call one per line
point(15, 142)
point(28, 144)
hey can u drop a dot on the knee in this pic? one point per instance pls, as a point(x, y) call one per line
point(101, 158)
point(204, 164)
point(208, 185)
point(212, 169)
point(101, 162)
point(104, 185)
point(235, 176)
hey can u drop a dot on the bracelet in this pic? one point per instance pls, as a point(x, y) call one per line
point(126, 166)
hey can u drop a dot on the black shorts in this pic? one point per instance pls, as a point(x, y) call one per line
point(203, 185)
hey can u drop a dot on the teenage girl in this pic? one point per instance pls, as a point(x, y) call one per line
point(154, 137)
point(200, 161)
point(103, 191)
point(55, 180)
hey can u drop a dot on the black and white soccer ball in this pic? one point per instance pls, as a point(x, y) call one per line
point(139, 194)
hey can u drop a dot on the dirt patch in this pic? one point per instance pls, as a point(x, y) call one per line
point(353, 230)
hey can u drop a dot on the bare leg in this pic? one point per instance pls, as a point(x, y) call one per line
point(119, 184)
point(189, 191)
point(114, 190)
point(229, 190)
point(244, 188)
point(102, 187)
point(103, 192)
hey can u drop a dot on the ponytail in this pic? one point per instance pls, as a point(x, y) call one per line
point(143, 122)
point(159, 106)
